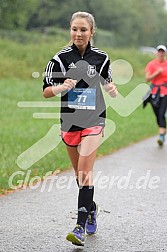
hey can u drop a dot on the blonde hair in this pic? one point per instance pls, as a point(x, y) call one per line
point(88, 16)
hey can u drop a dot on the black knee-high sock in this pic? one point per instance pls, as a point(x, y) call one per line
point(85, 200)
point(77, 181)
point(93, 206)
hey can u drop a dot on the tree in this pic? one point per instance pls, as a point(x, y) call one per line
point(15, 13)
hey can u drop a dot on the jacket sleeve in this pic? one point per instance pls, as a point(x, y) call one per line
point(106, 73)
point(53, 74)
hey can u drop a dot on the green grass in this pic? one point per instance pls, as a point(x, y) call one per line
point(19, 130)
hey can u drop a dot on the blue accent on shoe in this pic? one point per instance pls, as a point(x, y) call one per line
point(77, 236)
point(161, 139)
point(91, 223)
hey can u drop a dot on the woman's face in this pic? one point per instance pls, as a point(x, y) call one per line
point(81, 32)
point(161, 54)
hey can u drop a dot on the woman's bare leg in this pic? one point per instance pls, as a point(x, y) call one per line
point(74, 157)
point(87, 155)
point(83, 158)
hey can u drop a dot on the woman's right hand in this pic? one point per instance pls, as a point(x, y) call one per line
point(55, 90)
point(69, 84)
point(150, 76)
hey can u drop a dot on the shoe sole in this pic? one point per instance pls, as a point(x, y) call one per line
point(92, 233)
point(75, 241)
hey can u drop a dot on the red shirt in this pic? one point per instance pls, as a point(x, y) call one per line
point(160, 79)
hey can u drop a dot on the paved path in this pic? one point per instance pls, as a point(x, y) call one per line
point(131, 189)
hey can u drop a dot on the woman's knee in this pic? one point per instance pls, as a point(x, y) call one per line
point(85, 177)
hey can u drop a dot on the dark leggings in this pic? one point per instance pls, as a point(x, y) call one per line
point(160, 111)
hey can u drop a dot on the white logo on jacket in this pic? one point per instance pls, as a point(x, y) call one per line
point(91, 71)
point(72, 65)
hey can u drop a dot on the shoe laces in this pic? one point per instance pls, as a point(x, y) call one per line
point(78, 229)
point(92, 218)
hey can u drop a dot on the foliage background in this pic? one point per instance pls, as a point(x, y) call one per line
point(129, 23)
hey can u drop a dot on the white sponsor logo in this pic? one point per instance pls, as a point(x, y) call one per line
point(82, 209)
point(72, 65)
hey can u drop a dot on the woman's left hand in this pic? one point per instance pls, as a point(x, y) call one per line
point(111, 89)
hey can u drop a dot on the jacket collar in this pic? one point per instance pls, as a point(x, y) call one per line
point(77, 50)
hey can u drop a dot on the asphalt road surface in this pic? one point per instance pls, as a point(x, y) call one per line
point(130, 188)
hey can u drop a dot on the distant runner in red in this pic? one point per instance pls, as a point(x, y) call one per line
point(156, 73)
point(77, 72)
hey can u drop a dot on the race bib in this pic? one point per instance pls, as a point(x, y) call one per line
point(82, 98)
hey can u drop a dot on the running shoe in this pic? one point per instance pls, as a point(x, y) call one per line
point(161, 140)
point(77, 236)
point(91, 223)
